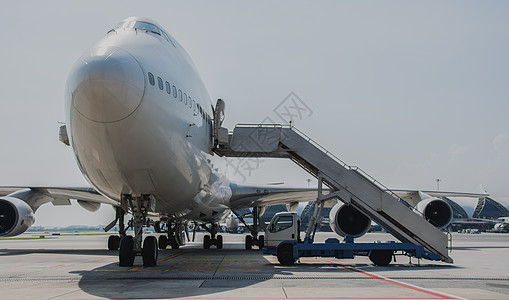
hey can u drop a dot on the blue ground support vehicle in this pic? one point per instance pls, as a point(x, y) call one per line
point(282, 239)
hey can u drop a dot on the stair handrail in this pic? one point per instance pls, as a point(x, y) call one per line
point(324, 150)
point(344, 164)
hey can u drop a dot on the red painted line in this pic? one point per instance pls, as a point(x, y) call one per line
point(282, 298)
point(305, 298)
point(439, 296)
point(296, 298)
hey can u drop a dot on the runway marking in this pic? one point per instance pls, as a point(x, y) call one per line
point(398, 283)
point(171, 256)
point(160, 260)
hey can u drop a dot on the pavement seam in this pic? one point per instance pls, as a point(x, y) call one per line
point(286, 295)
point(224, 253)
point(62, 295)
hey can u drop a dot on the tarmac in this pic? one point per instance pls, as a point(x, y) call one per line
point(78, 266)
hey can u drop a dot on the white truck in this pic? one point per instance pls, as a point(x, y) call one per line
point(282, 239)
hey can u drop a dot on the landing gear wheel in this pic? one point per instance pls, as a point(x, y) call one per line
point(163, 242)
point(113, 242)
point(219, 242)
point(249, 242)
point(126, 253)
point(285, 255)
point(206, 242)
point(381, 257)
point(149, 251)
point(173, 242)
point(261, 241)
point(181, 238)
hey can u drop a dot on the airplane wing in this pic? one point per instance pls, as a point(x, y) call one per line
point(244, 196)
point(413, 197)
point(89, 198)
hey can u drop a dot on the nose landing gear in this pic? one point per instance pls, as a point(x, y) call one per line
point(129, 246)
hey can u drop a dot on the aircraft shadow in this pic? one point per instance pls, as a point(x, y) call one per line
point(191, 271)
point(14, 252)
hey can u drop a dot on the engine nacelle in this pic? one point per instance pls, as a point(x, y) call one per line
point(436, 211)
point(347, 220)
point(15, 216)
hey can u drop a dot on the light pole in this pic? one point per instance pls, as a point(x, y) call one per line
point(438, 184)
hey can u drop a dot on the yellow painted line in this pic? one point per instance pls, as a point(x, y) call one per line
point(160, 260)
point(171, 256)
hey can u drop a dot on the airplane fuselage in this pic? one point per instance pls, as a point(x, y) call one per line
point(140, 122)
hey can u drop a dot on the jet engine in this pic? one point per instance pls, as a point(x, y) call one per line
point(15, 216)
point(436, 211)
point(347, 220)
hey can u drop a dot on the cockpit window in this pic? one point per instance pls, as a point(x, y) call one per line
point(147, 26)
point(168, 38)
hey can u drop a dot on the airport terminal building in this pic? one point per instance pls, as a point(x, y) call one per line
point(488, 208)
point(458, 212)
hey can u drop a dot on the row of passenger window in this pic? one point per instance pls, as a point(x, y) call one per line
point(178, 94)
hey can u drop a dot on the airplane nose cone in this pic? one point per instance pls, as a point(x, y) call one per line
point(107, 85)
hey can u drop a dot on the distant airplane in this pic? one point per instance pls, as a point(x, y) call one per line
point(142, 128)
point(232, 223)
point(502, 224)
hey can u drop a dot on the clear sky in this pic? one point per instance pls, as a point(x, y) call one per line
point(409, 91)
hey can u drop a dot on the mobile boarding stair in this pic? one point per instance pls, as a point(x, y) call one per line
point(350, 184)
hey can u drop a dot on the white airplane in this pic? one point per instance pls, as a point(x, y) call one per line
point(502, 224)
point(140, 123)
point(232, 223)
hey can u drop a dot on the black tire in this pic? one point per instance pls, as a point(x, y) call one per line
point(261, 241)
point(181, 238)
point(126, 253)
point(163, 242)
point(149, 251)
point(219, 242)
point(249, 242)
point(285, 255)
point(113, 242)
point(206, 242)
point(381, 257)
point(173, 242)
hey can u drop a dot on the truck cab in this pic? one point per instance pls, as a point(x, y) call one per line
point(284, 226)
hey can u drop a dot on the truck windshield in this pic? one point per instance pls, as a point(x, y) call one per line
point(281, 223)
